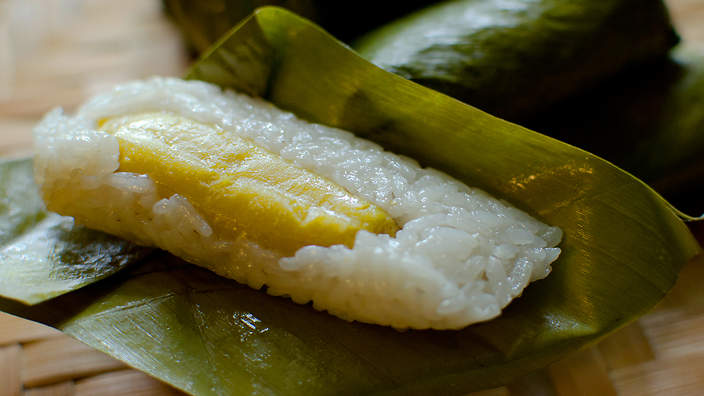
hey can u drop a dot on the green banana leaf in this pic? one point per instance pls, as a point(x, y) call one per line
point(44, 255)
point(648, 120)
point(622, 250)
point(512, 58)
point(202, 22)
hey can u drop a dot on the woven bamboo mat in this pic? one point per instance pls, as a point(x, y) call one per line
point(62, 51)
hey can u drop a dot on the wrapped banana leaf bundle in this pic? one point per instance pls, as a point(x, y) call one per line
point(510, 58)
point(513, 58)
point(622, 246)
point(648, 120)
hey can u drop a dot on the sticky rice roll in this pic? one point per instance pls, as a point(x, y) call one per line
point(236, 185)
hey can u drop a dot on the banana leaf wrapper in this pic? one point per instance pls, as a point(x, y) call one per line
point(44, 255)
point(622, 250)
point(648, 120)
point(203, 22)
point(513, 58)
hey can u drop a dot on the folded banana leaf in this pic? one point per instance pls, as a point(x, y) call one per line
point(648, 120)
point(203, 22)
point(622, 250)
point(44, 255)
point(512, 58)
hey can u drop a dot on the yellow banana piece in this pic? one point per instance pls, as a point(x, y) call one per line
point(239, 188)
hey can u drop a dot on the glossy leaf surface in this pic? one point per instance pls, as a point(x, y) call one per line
point(514, 57)
point(622, 250)
point(648, 120)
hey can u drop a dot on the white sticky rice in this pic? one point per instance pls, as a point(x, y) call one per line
point(459, 257)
